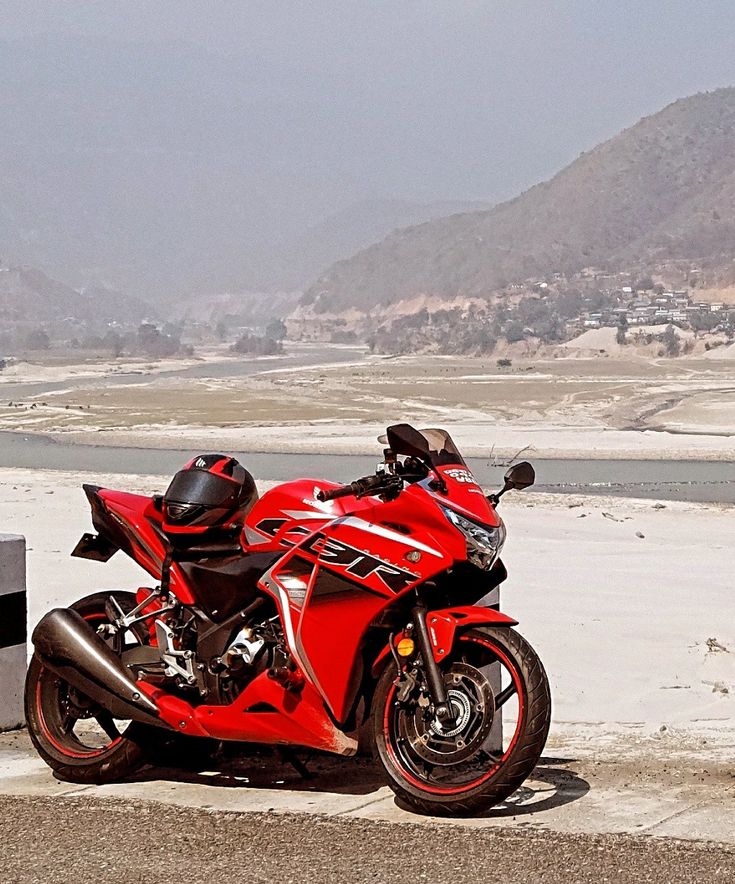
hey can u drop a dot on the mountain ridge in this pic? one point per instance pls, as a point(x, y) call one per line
point(660, 191)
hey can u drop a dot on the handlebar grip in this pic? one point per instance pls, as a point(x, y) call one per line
point(344, 491)
point(358, 487)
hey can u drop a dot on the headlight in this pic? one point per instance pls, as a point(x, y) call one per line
point(483, 542)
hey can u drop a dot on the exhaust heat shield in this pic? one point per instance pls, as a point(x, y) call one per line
point(72, 649)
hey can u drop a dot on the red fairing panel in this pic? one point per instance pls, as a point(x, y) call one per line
point(132, 513)
point(141, 521)
point(338, 610)
point(265, 712)
point(350, 561)
point(287, 513)
point(465, 495)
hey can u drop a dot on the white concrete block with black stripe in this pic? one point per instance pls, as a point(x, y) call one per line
point(13, 619)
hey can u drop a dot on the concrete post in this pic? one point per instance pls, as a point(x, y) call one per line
point(12, 629)
point(495, 744)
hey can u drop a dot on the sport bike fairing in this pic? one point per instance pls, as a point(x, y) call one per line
point(346, 562)
point(353, 564)
point(350, 571)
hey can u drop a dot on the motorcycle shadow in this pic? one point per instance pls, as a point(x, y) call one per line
point(264, 768)
point(549, 786)
point(553, 783)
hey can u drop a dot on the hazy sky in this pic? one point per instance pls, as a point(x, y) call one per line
point(465, 99)
point(179, 142)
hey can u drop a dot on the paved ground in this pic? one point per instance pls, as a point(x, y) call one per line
point(662, 788)
point(86, 840)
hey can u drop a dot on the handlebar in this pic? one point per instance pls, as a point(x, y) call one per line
point(361, 487)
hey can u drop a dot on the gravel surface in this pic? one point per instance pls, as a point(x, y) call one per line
point(73, 840)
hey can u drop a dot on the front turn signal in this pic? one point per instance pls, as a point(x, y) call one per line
point(405, 647)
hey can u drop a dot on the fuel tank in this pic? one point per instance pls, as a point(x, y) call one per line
point(289, 512)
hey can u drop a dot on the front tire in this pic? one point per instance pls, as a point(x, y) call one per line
point(459, 771)
point(78, 739)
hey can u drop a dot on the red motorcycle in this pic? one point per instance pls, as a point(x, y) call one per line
point(311, 617)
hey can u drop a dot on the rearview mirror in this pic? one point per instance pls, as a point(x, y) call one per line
point(519, 476)
point(404, 439)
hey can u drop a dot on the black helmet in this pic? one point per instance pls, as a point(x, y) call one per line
point(213, 492)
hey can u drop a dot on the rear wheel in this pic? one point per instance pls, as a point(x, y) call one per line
point(76, 737)
point(465, 767)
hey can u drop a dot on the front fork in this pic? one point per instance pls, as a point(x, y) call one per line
point(434, 678)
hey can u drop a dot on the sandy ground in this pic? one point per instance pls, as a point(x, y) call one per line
point(628, 603)
point(636, 632)
point(566, 407)
point(67, 368)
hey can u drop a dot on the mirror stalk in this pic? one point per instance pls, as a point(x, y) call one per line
point(494, 498)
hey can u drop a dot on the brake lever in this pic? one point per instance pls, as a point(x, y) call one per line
point(392, 488)
point(389, 487)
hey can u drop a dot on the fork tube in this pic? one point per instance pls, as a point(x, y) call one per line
point(435, 682)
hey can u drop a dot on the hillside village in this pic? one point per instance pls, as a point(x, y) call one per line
point(658, 307)
point(536, 313)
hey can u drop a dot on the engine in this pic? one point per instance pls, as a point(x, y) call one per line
point(176, 649)
point(255, 648)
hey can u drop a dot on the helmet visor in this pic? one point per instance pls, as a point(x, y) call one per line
point(201, 488)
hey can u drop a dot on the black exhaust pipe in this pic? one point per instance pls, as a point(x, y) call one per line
point(72, 649)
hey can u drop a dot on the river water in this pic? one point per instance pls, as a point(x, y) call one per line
point(656, 479)
point(704, 481)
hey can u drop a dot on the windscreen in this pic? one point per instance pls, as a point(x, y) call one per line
point(434, 446)
point(442, 449)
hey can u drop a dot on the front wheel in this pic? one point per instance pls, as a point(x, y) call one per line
point(464, 767)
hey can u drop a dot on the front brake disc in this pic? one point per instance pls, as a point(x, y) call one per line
point(473, 704)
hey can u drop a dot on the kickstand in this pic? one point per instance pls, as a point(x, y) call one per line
point(296, 763)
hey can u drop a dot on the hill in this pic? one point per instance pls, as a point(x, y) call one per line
point(247, 310)
point(354, 228)
point(660, 192)
point(29, 296)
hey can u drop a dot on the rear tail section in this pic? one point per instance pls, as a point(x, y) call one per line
point(127, 522)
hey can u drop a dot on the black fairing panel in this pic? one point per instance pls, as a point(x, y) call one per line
point(224, 584)
point(466, 584)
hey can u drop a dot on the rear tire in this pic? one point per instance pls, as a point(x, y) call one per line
point(414, 781)
point(53, 710)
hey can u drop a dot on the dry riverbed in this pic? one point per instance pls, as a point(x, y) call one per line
point(570, 407)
